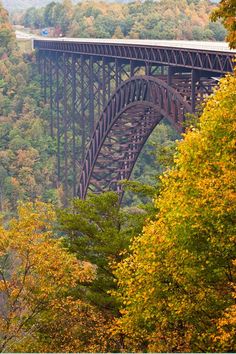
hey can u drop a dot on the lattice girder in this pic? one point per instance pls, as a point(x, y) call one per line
point(130, 116)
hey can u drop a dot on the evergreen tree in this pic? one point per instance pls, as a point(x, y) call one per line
point(98, 231)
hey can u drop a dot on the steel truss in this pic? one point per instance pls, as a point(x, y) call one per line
point(189, 58)
point(76, 88)
point(81, 88)
point(130, 116)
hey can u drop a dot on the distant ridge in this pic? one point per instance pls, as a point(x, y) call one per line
point(12, 5)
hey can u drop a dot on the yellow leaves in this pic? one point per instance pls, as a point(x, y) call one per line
point(3, 285)
point(37, 272)
point(226, 12)
point(177, 274)
point(126, 302)
point(226, 327)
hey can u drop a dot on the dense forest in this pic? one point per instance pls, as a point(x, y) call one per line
point(26, 150)
point(154, 275)
point(164, 19)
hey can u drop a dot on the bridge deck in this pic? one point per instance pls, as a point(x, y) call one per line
point(198, 45)
point(207, 56)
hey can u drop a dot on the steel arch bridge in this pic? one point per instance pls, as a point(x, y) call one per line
point(107, 96)
point(130, 116)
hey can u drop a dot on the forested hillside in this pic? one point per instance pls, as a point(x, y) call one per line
point(26, 150)
point(164, 19)
point(12, 5)
point(175, 284)
point(155, 275)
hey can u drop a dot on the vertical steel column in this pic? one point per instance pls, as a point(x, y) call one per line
point(104, 88)
point(98, 87)
point(132, 68)
point(91, 95)
point(58, 126)
point(194, 79)
point(99, 90)
point(110, 78)
point(64, 119)
point(74, 94)
point(51, 93)
point(44, 78)
point(170, 75)
point(117, 72)
point(82, 109)
point(39, 58)
point(147, 69)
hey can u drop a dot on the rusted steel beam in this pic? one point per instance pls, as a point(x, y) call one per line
point(130, 116)
point(214, 61)
point(86, 93)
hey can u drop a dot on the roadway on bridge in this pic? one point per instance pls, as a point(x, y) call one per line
point(208, 46)
point(24, 35)
point(214, 46)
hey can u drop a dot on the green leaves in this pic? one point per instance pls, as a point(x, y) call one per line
point(97, 230)
point(166, 19)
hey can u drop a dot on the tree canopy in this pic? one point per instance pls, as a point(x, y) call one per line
point(165, 19)
point(227, 13)
point(37, 277)
point(6, 32)
point(27, 161)
point(156, 276)
point(178, 285)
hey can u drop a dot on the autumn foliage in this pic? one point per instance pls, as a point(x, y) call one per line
point(164, 19)
point(177, 288)
point(176, 283)
point(226, 11)
point(38, 277)
point(27, 155)
point(91, 278)
point(6, 32)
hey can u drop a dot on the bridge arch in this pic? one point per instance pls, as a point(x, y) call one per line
point(127, 121)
